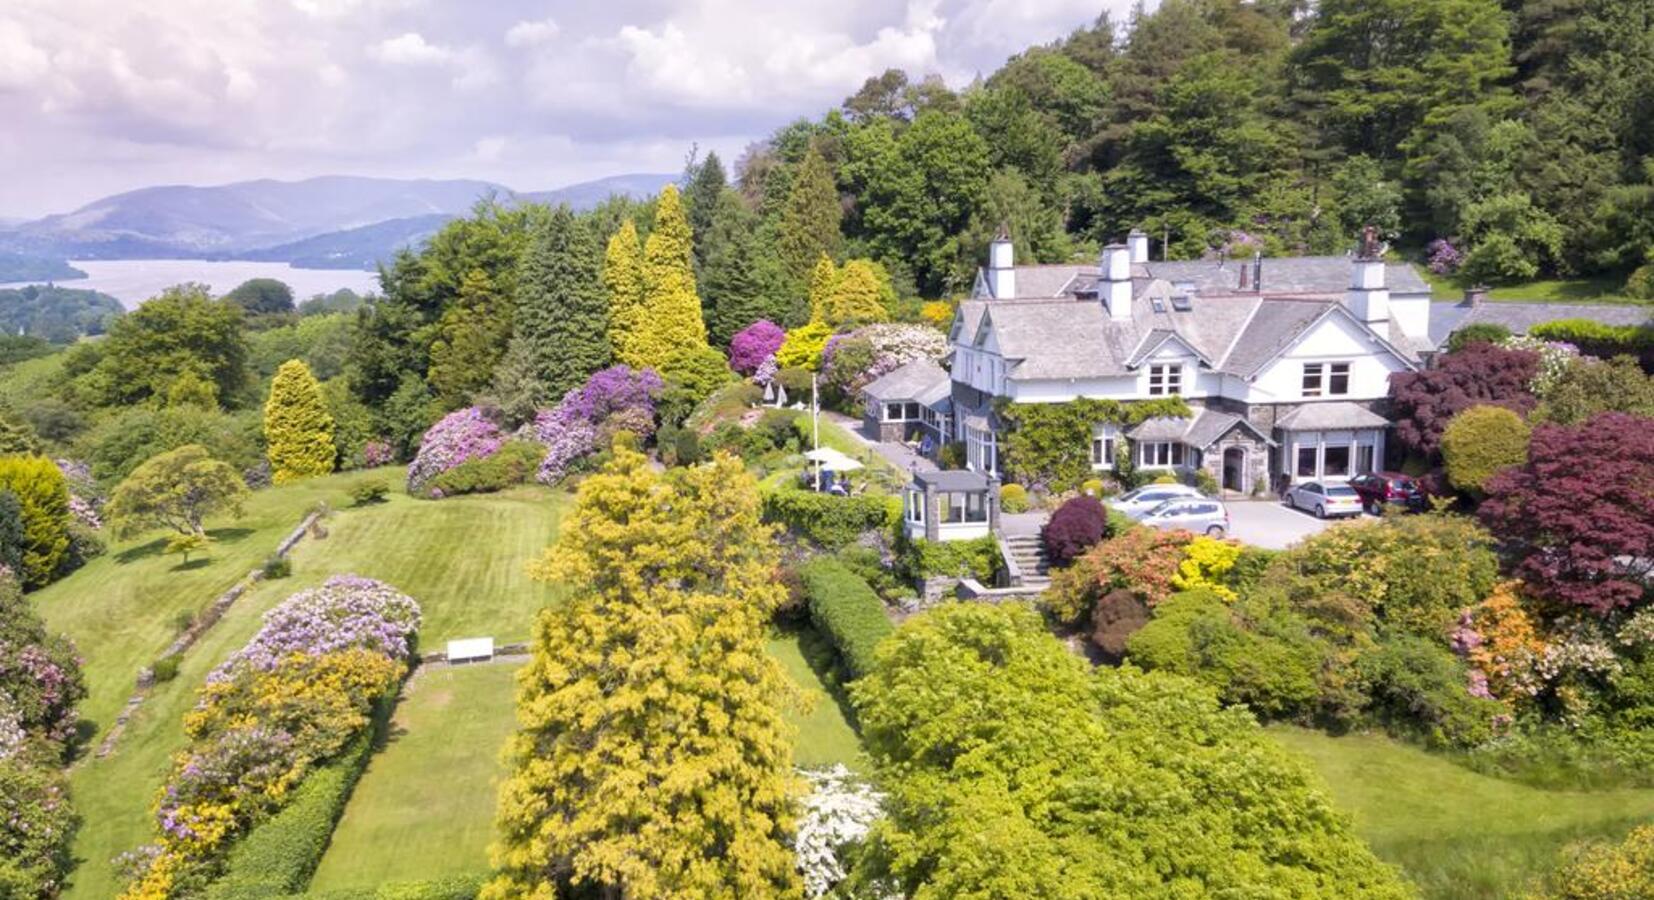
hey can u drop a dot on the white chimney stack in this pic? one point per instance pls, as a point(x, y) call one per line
point(1002, 272)
point(1138, 241)
point(1368, 298)
point(1116, 284)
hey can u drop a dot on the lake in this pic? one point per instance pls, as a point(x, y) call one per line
point(132, 281)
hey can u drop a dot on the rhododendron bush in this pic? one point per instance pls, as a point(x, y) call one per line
point(754, 344)
point(614, 400)
point(470, 433)
point(293, 697)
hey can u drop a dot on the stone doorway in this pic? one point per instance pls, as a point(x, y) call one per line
point(1234, 470)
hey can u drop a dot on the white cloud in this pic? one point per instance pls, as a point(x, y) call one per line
point(532, 33)
point(21, 63)
point(410, 49)
point(488, 149)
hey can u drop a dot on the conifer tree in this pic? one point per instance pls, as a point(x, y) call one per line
point(823, 279)
point(741, 281)
point(623, 279)
point(472, 336)
point(298, 429)
point(562, 315)
point(671, 314)
point(811, 217)
point(704, 191)
point(859, 295)
point(652, 761)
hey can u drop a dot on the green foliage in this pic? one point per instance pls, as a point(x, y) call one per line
point(43, 503)
point(808, 226)
point(1587, 387)
point(514, 463)
point(1511, 240)
point(118, 444)
point(369, 491)
point(56, 314)
point(993, 742)
point(1013, 498)
point(826, 519)
point(1417, 687)
point(17, 438)
point(976, 558)
point(298, 430)
point(623, 281)
point(12, 533)
point(276, 567)
point(742, 276)
point(1477, 333)
point(1596, 338)
point(1049, 444)
point(469, 339)
point(182, 545)
point(182, 330)
point(262, 296)
point(164, 669)
point(802, 349)
point(1603, 871)
point(1481, 441)
point(562, 313)
point(178, 489)
point(277, 857)
point(39, 828)
point(861, 294)
point(1257, 652)
point(190, 389)
point(693, 373)
point(846, 611)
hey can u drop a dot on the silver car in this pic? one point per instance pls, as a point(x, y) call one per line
point(1325, 500)
point(1149, 496)
point(1200, 515)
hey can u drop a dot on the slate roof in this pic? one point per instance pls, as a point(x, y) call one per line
point(952, 480)
point(1160, 428)
point(1199, 432)
point(1284, 275)
point(1335, 415)
point(920, 380)
point(1446, 318)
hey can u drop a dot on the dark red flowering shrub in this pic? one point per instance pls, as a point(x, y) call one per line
point(1423, 402)
point(1074, 528)
point(1580, 511)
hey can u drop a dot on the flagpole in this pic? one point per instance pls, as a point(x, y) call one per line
point(815, 425)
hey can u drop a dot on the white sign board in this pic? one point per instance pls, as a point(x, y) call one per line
point(470, 649)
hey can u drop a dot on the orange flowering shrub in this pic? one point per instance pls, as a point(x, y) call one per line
point(1509, 647)
point(1141, 560)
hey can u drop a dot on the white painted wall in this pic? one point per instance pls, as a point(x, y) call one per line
point(1334, 339)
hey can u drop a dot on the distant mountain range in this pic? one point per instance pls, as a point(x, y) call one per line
point(329, 222)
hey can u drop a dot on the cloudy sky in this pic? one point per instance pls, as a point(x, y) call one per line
point(100, 96)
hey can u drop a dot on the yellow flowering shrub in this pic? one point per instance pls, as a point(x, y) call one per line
point(1206, 565)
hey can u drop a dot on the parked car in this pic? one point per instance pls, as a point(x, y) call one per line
point(1201, 515)
point(1149, 496)
point(1325, 500)
point(1381, 489)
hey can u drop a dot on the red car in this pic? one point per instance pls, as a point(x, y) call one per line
point(1380, 489)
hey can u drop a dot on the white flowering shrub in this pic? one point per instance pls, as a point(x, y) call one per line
point(837, 815)
point(1554, 359)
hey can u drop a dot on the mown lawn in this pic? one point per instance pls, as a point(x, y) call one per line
point(1459, 835)
point(425, 806)
point(1556, 290)
point(823, 733)
point(462, 559)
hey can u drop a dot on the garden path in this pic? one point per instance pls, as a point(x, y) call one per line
point(898, 455)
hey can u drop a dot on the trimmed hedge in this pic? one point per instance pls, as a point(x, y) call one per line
point(277, 858)
point(456, 887)
point(514, 463)
point(846, 611)
point(830, 521)
point(1596, 339)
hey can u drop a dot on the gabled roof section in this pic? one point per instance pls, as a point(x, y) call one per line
point(1335, 415)
point(1281, 324)
point(920, 380)
point(1211, 425)
point(1160, 337)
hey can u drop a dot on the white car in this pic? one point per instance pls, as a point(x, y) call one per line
point(1325, 500)
point(1198, 515)
point(1149, 496)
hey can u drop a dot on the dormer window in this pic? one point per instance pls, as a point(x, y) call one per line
point(1165, 380)
point(1326, 379)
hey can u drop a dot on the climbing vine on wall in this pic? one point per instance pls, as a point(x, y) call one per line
point(1049, 444)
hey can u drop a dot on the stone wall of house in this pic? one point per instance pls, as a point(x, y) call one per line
point(1255, 478)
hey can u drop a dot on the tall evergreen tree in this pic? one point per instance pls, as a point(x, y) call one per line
point(741, 280)
point(861, 295)
point(823, 278)
point(298, 429)
point(704, 189)
point(623, 279)
point(471, 338)
point(671, 317)
point(652, 759)
point(562, 314)
point(810, 218)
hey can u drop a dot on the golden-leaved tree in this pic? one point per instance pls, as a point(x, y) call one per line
point(652, 759)
point(823, 278)
point(671, 316)
point(298, 429)
point(623, 279)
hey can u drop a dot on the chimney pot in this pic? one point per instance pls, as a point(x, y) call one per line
point(1475, 296)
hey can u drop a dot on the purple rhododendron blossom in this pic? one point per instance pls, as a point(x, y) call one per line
point(465, 434)
point(753, 344)
point(613, 400)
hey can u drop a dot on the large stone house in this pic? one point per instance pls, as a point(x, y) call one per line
point(1285, 363)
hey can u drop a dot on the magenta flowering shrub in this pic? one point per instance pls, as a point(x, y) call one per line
point(85, 498)
point(294, 696)
point(1443, 258)
point(40, 677)
point(611, 401)
point(754, 344)
point(377, 453)
point(469, 433)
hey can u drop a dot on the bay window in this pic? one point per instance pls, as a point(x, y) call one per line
point(1159, 454)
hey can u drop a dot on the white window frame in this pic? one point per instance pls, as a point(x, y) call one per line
point(907, 411)
point(1160, 454)
point(1319, 377)
point(1165, 379)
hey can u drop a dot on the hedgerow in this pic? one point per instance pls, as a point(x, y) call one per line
point(829, 520)
point(846, 611)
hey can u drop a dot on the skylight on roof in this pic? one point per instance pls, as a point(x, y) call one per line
point(1183, 302)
